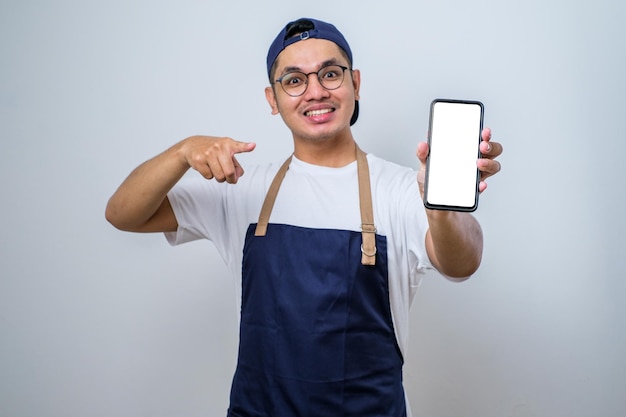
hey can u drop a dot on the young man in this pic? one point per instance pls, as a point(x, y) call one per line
point(329, 248)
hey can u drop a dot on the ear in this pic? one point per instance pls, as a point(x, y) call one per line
point(356, 81)
point(270, 96)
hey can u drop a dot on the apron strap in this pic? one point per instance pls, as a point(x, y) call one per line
point(270, 198)
point(368, 229)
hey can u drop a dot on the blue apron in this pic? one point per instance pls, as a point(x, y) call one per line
point(316, 333)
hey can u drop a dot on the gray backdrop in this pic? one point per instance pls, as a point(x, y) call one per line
point(96, 322)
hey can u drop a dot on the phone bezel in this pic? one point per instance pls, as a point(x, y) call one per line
point(433, 206)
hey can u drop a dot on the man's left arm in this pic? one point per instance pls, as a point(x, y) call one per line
point(454, 240)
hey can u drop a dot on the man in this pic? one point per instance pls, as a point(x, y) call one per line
point(328, 248)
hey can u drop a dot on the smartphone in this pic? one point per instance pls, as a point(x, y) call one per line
point(454, 135)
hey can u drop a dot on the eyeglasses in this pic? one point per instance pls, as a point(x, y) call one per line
point(295, 83)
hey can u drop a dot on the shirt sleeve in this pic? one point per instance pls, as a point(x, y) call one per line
point(415, 230)
point(196, 203)
point(218, 212)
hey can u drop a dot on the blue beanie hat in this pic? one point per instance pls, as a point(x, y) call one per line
point(321, 30)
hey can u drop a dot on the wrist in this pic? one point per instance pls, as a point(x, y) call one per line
point(180, 152)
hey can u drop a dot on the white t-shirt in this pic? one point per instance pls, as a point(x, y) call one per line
point(315, 197)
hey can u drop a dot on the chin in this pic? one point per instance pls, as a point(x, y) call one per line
point(321, 132)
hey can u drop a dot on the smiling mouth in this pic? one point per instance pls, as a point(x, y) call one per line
point(318, 112)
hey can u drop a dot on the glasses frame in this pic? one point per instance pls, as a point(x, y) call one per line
point(307, 75)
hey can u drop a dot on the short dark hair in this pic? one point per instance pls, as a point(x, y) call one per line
point(297, 27)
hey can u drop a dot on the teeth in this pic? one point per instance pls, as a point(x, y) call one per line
point(318, 112)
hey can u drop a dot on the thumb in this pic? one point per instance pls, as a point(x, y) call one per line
point(239, 171)
point(422, 152)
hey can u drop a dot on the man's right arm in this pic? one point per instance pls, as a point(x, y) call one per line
point(140, 204)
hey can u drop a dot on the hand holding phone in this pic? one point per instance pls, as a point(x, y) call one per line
point(452, 177)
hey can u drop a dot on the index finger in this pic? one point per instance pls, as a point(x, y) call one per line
point(241, 147)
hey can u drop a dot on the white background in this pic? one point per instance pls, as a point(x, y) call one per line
point(96, 322)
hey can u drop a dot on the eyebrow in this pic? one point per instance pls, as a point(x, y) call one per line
point(332, 61)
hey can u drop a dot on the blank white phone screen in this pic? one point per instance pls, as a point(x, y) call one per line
point(454, 139)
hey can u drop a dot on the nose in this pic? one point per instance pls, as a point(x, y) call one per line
point(315, 90)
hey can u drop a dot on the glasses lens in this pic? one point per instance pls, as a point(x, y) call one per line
point(331, 77)
point(294, 83)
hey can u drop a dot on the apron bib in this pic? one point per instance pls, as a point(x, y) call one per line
point(316, 333)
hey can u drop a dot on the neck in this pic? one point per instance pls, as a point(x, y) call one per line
point(334, 153)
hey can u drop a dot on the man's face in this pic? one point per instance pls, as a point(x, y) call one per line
point(318, 113)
